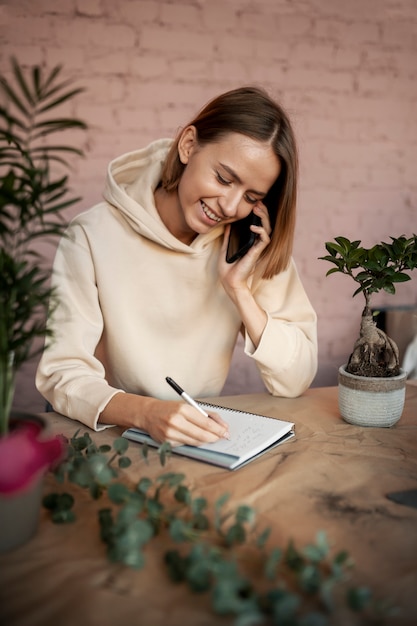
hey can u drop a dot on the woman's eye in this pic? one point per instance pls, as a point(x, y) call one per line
point(222, 181)
point(251, 200)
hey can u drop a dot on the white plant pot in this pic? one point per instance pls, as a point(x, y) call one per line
point(19, 514)
point(371, 401)
point(20, 511)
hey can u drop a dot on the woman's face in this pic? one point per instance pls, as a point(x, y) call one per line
point(222, 181)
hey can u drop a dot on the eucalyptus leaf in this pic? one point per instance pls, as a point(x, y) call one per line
point(359, 598)
point(124, 462)
point(182, 494)
point(144, 485)
point(120, 445)
point(118, 493)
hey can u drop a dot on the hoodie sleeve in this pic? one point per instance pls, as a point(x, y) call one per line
point(287, 353)
point(69, 376)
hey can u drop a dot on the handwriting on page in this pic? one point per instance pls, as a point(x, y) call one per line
point(243, 437)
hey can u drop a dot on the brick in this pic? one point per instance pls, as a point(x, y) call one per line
point(400, 33)
point(27, 55)
point(103, 113)
point(269, 51)
point(226, 47)
point(26, 8)
point(72, 58)
point(378, 83)
point(36, 30)
point(325, 55)
point(107, 89)
point(348, 33)
point(294, 27)
point(134, 119)
point(102, 61)
point(149, 66)
point(91, 8)
point(181, 15)
point(347, 11)
point(193, 69)
point(409, 173)
point(219, 16)
point(306, 78)
point(87, 32)
point(176, 42)
point(137, 12)
point(254, 22)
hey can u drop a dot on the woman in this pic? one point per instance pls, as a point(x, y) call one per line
point(145, 291)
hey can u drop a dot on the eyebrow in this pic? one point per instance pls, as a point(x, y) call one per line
point(234, 175)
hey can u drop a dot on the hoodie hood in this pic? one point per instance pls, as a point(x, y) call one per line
point(130, 185)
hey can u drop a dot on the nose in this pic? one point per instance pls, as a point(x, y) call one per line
point(229, 202)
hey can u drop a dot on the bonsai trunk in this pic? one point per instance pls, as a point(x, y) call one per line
point(374, 353)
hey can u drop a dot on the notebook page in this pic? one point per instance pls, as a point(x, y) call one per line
point(248, 432)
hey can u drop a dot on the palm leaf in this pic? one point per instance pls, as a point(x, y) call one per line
point(52, 76)
point(63, 98)
point(48, 128)
point(11, 120)
point(36, 79)
point(38, 151)
point(32, 200)
point(10, 94)
point(22, 83)
point(60, 123)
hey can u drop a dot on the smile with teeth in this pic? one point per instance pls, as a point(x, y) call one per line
point(210, 213)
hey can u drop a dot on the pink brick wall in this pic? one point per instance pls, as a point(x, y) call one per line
point(346, 71)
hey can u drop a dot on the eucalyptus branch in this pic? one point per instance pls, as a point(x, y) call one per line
point(214, 550)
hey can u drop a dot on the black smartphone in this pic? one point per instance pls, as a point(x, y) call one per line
point(241, 238)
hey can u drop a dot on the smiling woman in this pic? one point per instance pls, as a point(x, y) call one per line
point(218, 185)
point(145, 288)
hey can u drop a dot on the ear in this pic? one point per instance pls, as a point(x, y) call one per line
point(186, 144)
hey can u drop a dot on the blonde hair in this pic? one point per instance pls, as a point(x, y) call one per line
point(250, 111)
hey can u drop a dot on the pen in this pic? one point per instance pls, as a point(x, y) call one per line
point(189, 400)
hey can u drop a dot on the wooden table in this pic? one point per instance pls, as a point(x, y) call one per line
point(332, 476)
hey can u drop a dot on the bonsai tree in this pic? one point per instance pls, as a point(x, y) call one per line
point(373, 269)
point(33, 193)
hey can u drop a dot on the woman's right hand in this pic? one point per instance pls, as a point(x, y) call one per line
point(164, 420)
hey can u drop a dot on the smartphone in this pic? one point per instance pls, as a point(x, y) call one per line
point(241, 238)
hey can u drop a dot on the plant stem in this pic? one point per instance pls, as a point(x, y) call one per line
point(7, 386)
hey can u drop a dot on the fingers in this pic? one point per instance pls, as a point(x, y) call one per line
point(180, 423)
point(225, 241)
point(222, 423)
point(195, 428)
point(261, 211)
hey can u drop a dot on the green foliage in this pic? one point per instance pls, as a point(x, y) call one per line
point(374, 269)
point(213, 550)
point(34, 192)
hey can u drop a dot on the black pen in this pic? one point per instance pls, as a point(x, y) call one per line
point(185, 396)
point(189, 400)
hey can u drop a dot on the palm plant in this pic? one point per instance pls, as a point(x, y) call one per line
point(34, 192)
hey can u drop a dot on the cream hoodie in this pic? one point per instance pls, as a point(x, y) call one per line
point(137, 305)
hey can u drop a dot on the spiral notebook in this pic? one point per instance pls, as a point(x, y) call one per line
point(251, 435)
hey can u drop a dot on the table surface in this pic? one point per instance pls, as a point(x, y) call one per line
point(332, 476)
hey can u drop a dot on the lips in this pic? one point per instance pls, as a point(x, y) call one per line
point(212, 216)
